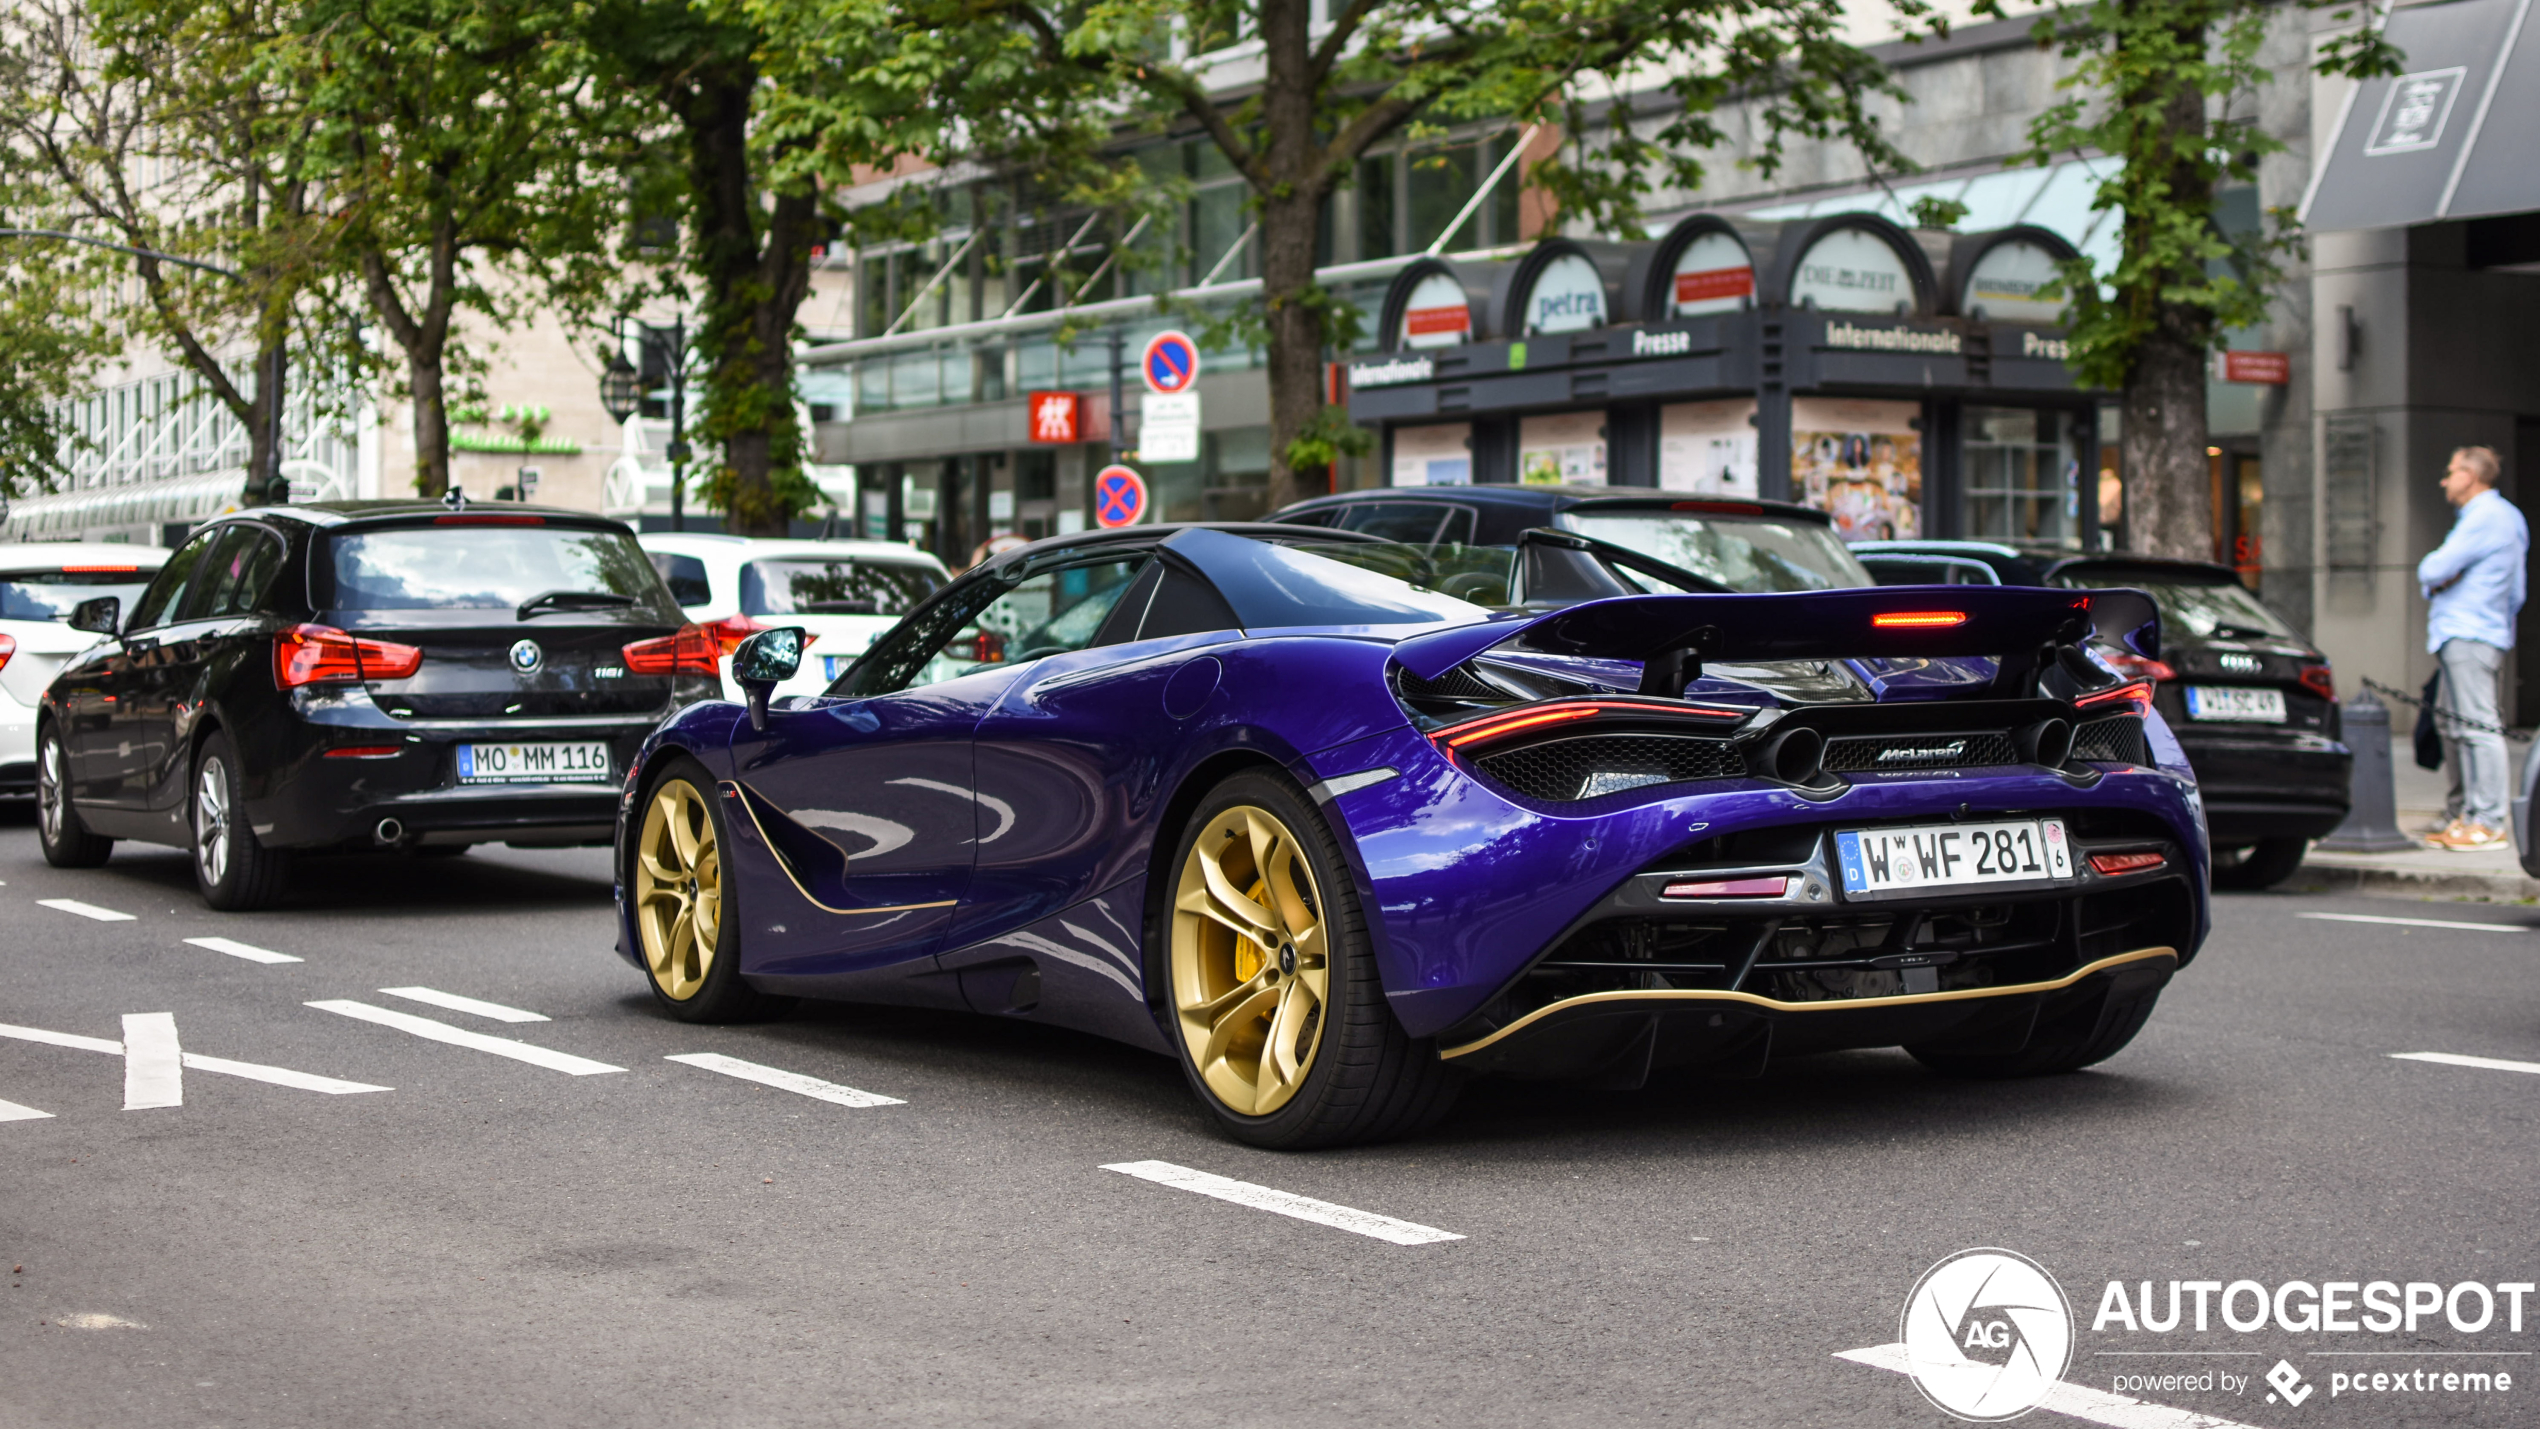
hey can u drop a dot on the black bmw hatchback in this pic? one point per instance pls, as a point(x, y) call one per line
point(367, 674)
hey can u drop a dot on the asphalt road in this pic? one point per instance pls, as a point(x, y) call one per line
point(491, 1241)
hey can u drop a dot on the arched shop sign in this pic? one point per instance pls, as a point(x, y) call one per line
point(1996, 277)
point(1701, 268)
point(1429, 307)
point(1856, 263)
point(1560, 286)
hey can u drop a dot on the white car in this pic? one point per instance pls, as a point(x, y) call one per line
point(39, 583)
point(842, 593)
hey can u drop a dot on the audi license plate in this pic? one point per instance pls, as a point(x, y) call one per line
point(2235, 702)
point(1879, 863)
point(583, 762)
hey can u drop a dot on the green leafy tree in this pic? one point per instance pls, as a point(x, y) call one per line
point(170, 126)
point(469, 158)
point(2160, 85)
point(1324, 97)
point(49, 343)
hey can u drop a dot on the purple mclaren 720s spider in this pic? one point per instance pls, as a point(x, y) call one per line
point(1337, 822)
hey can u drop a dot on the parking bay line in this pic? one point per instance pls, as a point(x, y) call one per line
point(2099, 1406)
point(2455, 1059)
point(461, 1037)
point(249, 951)
point(1285, 1203)
point(783, 1080)
point(2415, 922)
point(196, 1061)
point(11, 1111)
point(455, 1003)
point(153, 1065)
point(84, 910)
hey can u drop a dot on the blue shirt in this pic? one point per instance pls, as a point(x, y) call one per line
point(2486, 551)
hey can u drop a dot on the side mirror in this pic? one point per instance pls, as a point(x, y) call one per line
point(763, 662)
point(102, 616)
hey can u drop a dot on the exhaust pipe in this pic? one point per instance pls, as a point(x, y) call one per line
point(388, 832)
point(1794, 756)
point(2048, 742)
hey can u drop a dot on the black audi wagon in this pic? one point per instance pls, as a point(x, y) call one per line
point(413, 675)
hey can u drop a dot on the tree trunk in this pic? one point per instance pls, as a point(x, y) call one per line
point(1288, 230)
point(2168, 486)
point(431, 423)
point(754, 286)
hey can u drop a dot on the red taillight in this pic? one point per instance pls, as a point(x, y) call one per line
point(2320, 680)
point(731, 630)
point(1773, 887)
point(8, 647)
point(1918, 619)
point(2137, 696)
point(690, 650)
point(1493, 729)
point(126, 570)
point(2110, 863)
point(2135, 667)
point(365, 751)
point(1490, 727)
point(322, 654)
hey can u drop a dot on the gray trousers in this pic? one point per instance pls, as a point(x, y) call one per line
point(2473, 755)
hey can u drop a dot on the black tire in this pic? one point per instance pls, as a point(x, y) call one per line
point(234, 871)
point(2078, 1046)
point(1363, 1078)
point(67, 841)
point(2268, 863)
point(691, 988)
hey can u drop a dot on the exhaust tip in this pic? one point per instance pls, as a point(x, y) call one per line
point(2048, 742)
point(1795, 756)
point(389, 831)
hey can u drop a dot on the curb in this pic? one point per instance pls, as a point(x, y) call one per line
point(2413, 883)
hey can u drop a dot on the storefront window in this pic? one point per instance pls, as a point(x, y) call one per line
point(1862, 463)
point(2023, 470)
point(2239, 497)
point(1564, 447)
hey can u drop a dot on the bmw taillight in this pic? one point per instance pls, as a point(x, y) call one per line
point(689, 650)
point(2320, 680)
point(322, 654)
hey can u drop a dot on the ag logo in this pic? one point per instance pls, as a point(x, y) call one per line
point(1987, 1333)
point(527, 658)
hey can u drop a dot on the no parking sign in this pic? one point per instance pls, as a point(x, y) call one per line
point(1171, 363)
point(1120, 497)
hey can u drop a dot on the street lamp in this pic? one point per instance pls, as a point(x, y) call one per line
point(270, 377)
point(622, 392)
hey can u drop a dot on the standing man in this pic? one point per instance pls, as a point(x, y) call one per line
point(2474, 585)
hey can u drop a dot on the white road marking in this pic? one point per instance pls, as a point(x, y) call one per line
point(456, 1003)
point(461, 1037)
point(153, 1066)
point(248, 951)
point(11, 1111)
point(278, 1076)
point(1304, 1208)
point(2415, 922)
point(783, 1080)
point(2079, 1402)
point(85, 910)
point(2455, 1059)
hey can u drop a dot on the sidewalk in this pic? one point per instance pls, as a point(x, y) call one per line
point(2495, 877)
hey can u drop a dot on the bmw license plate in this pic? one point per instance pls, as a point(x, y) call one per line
point(1882, 863)
point(582, 762)
point(2235, 702)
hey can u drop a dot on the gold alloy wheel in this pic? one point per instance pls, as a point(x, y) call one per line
point(1251, 964)
point(678, 889)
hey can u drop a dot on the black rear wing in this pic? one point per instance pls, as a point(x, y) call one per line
point(2019, 625)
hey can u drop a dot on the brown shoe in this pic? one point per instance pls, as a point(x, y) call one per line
point(2476, 838)
point(2442, 837)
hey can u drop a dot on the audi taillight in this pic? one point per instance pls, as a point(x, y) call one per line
point(2320, 680)
point(690, 650)
point(322, 654)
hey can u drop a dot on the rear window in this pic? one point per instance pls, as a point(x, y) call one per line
point(2202, 608)
point(50, 594)
point(686, 577)
point(1748, 553)
point(488, 567)
point(834, 586)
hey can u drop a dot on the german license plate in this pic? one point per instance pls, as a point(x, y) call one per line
point(830, 665)
point(582, 762)
point(2235, 702)
point(1881, 863)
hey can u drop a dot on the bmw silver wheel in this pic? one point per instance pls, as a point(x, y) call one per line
point(67, 842)
point(211, 821)
point(51, 788)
